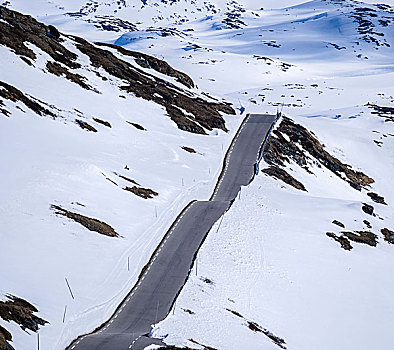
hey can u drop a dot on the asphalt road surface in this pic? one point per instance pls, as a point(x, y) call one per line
point(153, 296)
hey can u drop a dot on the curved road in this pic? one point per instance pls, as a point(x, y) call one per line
point(162, 279)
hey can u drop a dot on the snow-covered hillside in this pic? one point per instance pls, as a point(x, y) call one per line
point(271, 271)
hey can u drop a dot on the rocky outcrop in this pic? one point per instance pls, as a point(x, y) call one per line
point(292, 142)
point(367, 209)
point(154, 63)
point(200, 113)
point(89, 223)
point(189, 111)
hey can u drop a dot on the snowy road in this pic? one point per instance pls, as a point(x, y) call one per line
point(159, 284)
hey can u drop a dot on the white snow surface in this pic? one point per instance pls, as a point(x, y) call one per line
point(271, 260)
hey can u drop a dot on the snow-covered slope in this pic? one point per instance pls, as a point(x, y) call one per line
point(105, 137)
point(272, 266)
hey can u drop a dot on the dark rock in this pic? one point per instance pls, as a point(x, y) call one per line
point(388, 235)
point(103, 122)
point(367, 208)
point(343, 241)
point(189, 149)
point(367, 223)
point(364, 237)
point(384, 112)
point(376, 198)
point(137, 126)
point(52, 31)
point(283, 175)
point(338, 223)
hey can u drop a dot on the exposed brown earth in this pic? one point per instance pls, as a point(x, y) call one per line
point(141, 192)
point(154, 63)
point(283, 175)
point(13, 94)
point(89, 223)
point(305, 149)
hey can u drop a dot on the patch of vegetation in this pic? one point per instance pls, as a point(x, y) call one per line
point(145, 193)
point(283, 175)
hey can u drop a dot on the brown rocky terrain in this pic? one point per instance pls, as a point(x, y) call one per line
point(189, 111)
point(303, 148)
